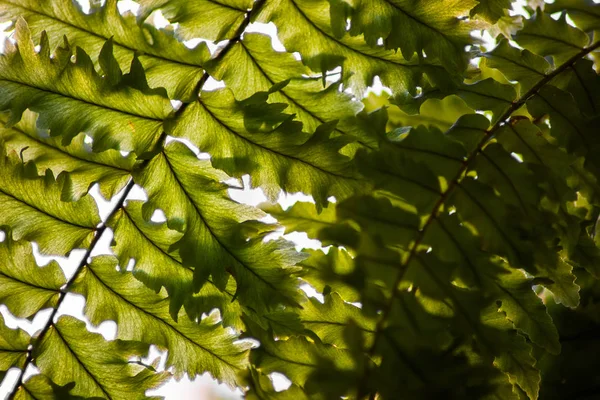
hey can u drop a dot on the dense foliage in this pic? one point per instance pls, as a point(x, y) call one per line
point(460, 211)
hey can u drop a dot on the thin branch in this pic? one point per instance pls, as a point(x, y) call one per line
point(120, 203)
point(65, 289)
point(454, 183)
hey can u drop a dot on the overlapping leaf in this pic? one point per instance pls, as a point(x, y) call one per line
point(253, 66)
point(435, 29)
point(168, 63)
point(256, 138)
point(118, 111)
point(142, 315)
point(298, 19)
point(110, 169)
point(69, 353)
point(548, 37)
point(218, 238)
point(13, 347)
point(26, 288)
point(33, 209)
point(210, 19)
point(157, 265)
point(584, 13)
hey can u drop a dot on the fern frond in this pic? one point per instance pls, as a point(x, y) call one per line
point(296, 20)
point(109, 169)
point(168, 63)
point(118, 112)
point(215, 20)
point(63, 355)
point(143, 316)
point(33, 209)
point(218, 238)
point(256, 138)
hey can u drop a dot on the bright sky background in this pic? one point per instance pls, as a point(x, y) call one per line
point(203, 387)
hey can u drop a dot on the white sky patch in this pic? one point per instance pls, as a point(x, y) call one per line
point(128, 5)
point(280, 381)
point(192, 43)
point(212, 84)
point(158, 19)
point(378, 88)
point(268, 29)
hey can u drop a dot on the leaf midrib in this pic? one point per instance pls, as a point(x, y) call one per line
point(294, 101)
point(89, 228)
point(201, 216)
point(64, 152)
point(138, 229)
point(133, 51)
point(267, 149)
point(171, 327)
point(85, 101)
point(80, 362)
point(352, 49)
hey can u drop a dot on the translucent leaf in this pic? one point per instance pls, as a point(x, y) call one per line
point(219, 238)
point(109, 168)
point(193, 347)
point(13, 346)
point(168, 62)
point(256, 138)
point(33, 209)
point(206, 19)
point(548, 37)
point(148, 244)
point(128, 118)
point(26, 288)
point(253, 66)
point(435, 29)
point(100, 368)
point(298, 19)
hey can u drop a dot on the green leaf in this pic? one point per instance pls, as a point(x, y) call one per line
point(328, 320)
point(440, 152)
point(517, 360)
point(214, 240)
point(298, 19)
point(491, 10)
point(437, 29)
point(256, 138)
point(334, 270)
point(26, 288)
point(39, 387)
point(510, 287)
point(33, 209)
point(430, 112)
point(69, 353)
point(569, 127)
point(485, 95)
point(142, 315)
point(584, 13)
point(300, 360)
point(253, 66)
point(157, 265)
point(523, 67)
point(261, 388)
point(302, 217)
point(548, 37)
point(13, 346)
point(125, 118)
point(379, 218)
point(206, 19)
point(168, 62)
point(109, 169)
